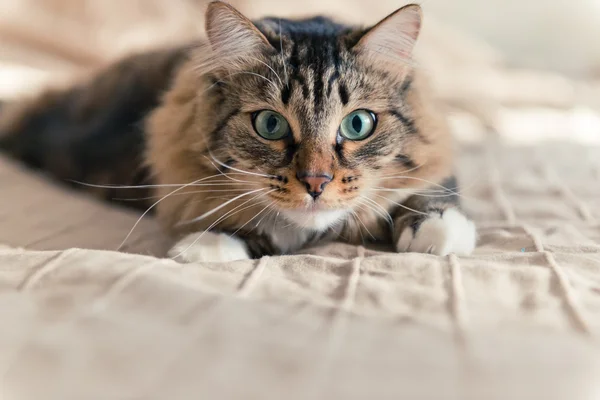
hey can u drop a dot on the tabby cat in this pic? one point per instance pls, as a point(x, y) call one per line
point(269, 137)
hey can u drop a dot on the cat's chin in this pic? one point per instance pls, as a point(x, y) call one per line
point(315, 220)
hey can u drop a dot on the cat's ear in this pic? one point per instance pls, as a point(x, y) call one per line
point(390, 43)
point(232, 36)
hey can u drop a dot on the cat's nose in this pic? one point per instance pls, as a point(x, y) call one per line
point(315, 183)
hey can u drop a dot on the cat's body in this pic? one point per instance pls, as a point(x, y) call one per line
point(269, 138)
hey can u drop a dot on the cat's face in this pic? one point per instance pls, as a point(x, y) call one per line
point(314, 121)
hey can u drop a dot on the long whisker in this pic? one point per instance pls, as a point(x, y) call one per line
point(289, 225)
point(423, 180)
point(168, 185)
point(229, 214)
point(239, 170)
point(363, 224)
point(227, 175)
point(401, 205)
point(416, 194)
point(405, 172)
point(237, 210)
point(409, 190)
point(214, 210)
point(268, 66)
point(180, 194)
point(252, 219)
point(378, 209)
point(277, 218)
point(362, 238)
point(258, 75)
point(426, 192)
point(270, 212)
point(154, 205)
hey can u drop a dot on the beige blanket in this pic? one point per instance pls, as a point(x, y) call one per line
point(520, 319)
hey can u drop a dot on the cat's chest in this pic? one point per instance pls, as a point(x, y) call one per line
point(285, 236)
point(371, 221)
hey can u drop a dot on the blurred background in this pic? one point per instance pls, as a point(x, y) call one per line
point(525, 70)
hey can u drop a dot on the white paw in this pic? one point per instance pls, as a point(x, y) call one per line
point(209, 247)
point(441, 235)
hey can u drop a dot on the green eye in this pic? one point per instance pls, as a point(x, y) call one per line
point(271, 125)
point(358, 125)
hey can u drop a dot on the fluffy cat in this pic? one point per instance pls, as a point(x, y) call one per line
point(269, 137)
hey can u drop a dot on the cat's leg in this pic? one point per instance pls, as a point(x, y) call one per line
point(210, 247)
point(434, 225)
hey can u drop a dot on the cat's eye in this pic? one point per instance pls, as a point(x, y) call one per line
point(271, 125)
point(358, 125)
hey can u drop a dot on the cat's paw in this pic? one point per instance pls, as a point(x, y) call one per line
point(438, 233)
point(209, 247)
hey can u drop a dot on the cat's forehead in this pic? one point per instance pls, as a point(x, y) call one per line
point(313, 75)
point(299, 29)
point(316, 53)
point(309, 41)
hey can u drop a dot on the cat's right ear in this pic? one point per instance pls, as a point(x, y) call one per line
point(233, 37)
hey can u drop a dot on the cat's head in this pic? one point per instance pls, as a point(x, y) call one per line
point(317, 112)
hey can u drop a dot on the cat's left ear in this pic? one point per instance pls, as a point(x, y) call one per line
point(390, 43)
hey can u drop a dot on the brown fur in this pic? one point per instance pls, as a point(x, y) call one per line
point(179, 147)
point(203, 156)
point(64, 131)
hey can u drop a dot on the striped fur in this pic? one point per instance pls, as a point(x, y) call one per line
point(185, 116)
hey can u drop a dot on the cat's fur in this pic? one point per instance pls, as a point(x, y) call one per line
point(225, 191)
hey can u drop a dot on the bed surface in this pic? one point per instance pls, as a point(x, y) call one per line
point(522, 313)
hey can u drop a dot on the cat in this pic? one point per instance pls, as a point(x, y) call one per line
point(267, 138)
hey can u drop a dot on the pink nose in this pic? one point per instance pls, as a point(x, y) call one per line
point(315, 183)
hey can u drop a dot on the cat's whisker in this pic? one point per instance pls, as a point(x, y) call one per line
point(271, 68)
point(233, 211)
point(228, 214)
point(364, 226)
point(433, 193)
point(377, 208)
point(423, 180)
point(270, 212)
point(252, 219)
point(411, 191)
point(401, 205)
point(362, 238)
point(276, 218)
point(405, 171)
point(220, 207)
point(227, 175)
point(154, 205)
point(356, 219)
point(418, 193)
point(288, 225)
point(258, 75)
point(178, 194)
point(168, 185)
point(408, 189)
point(431, 196)
point(239, 170)
point(217, 198)
point(210, 87)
